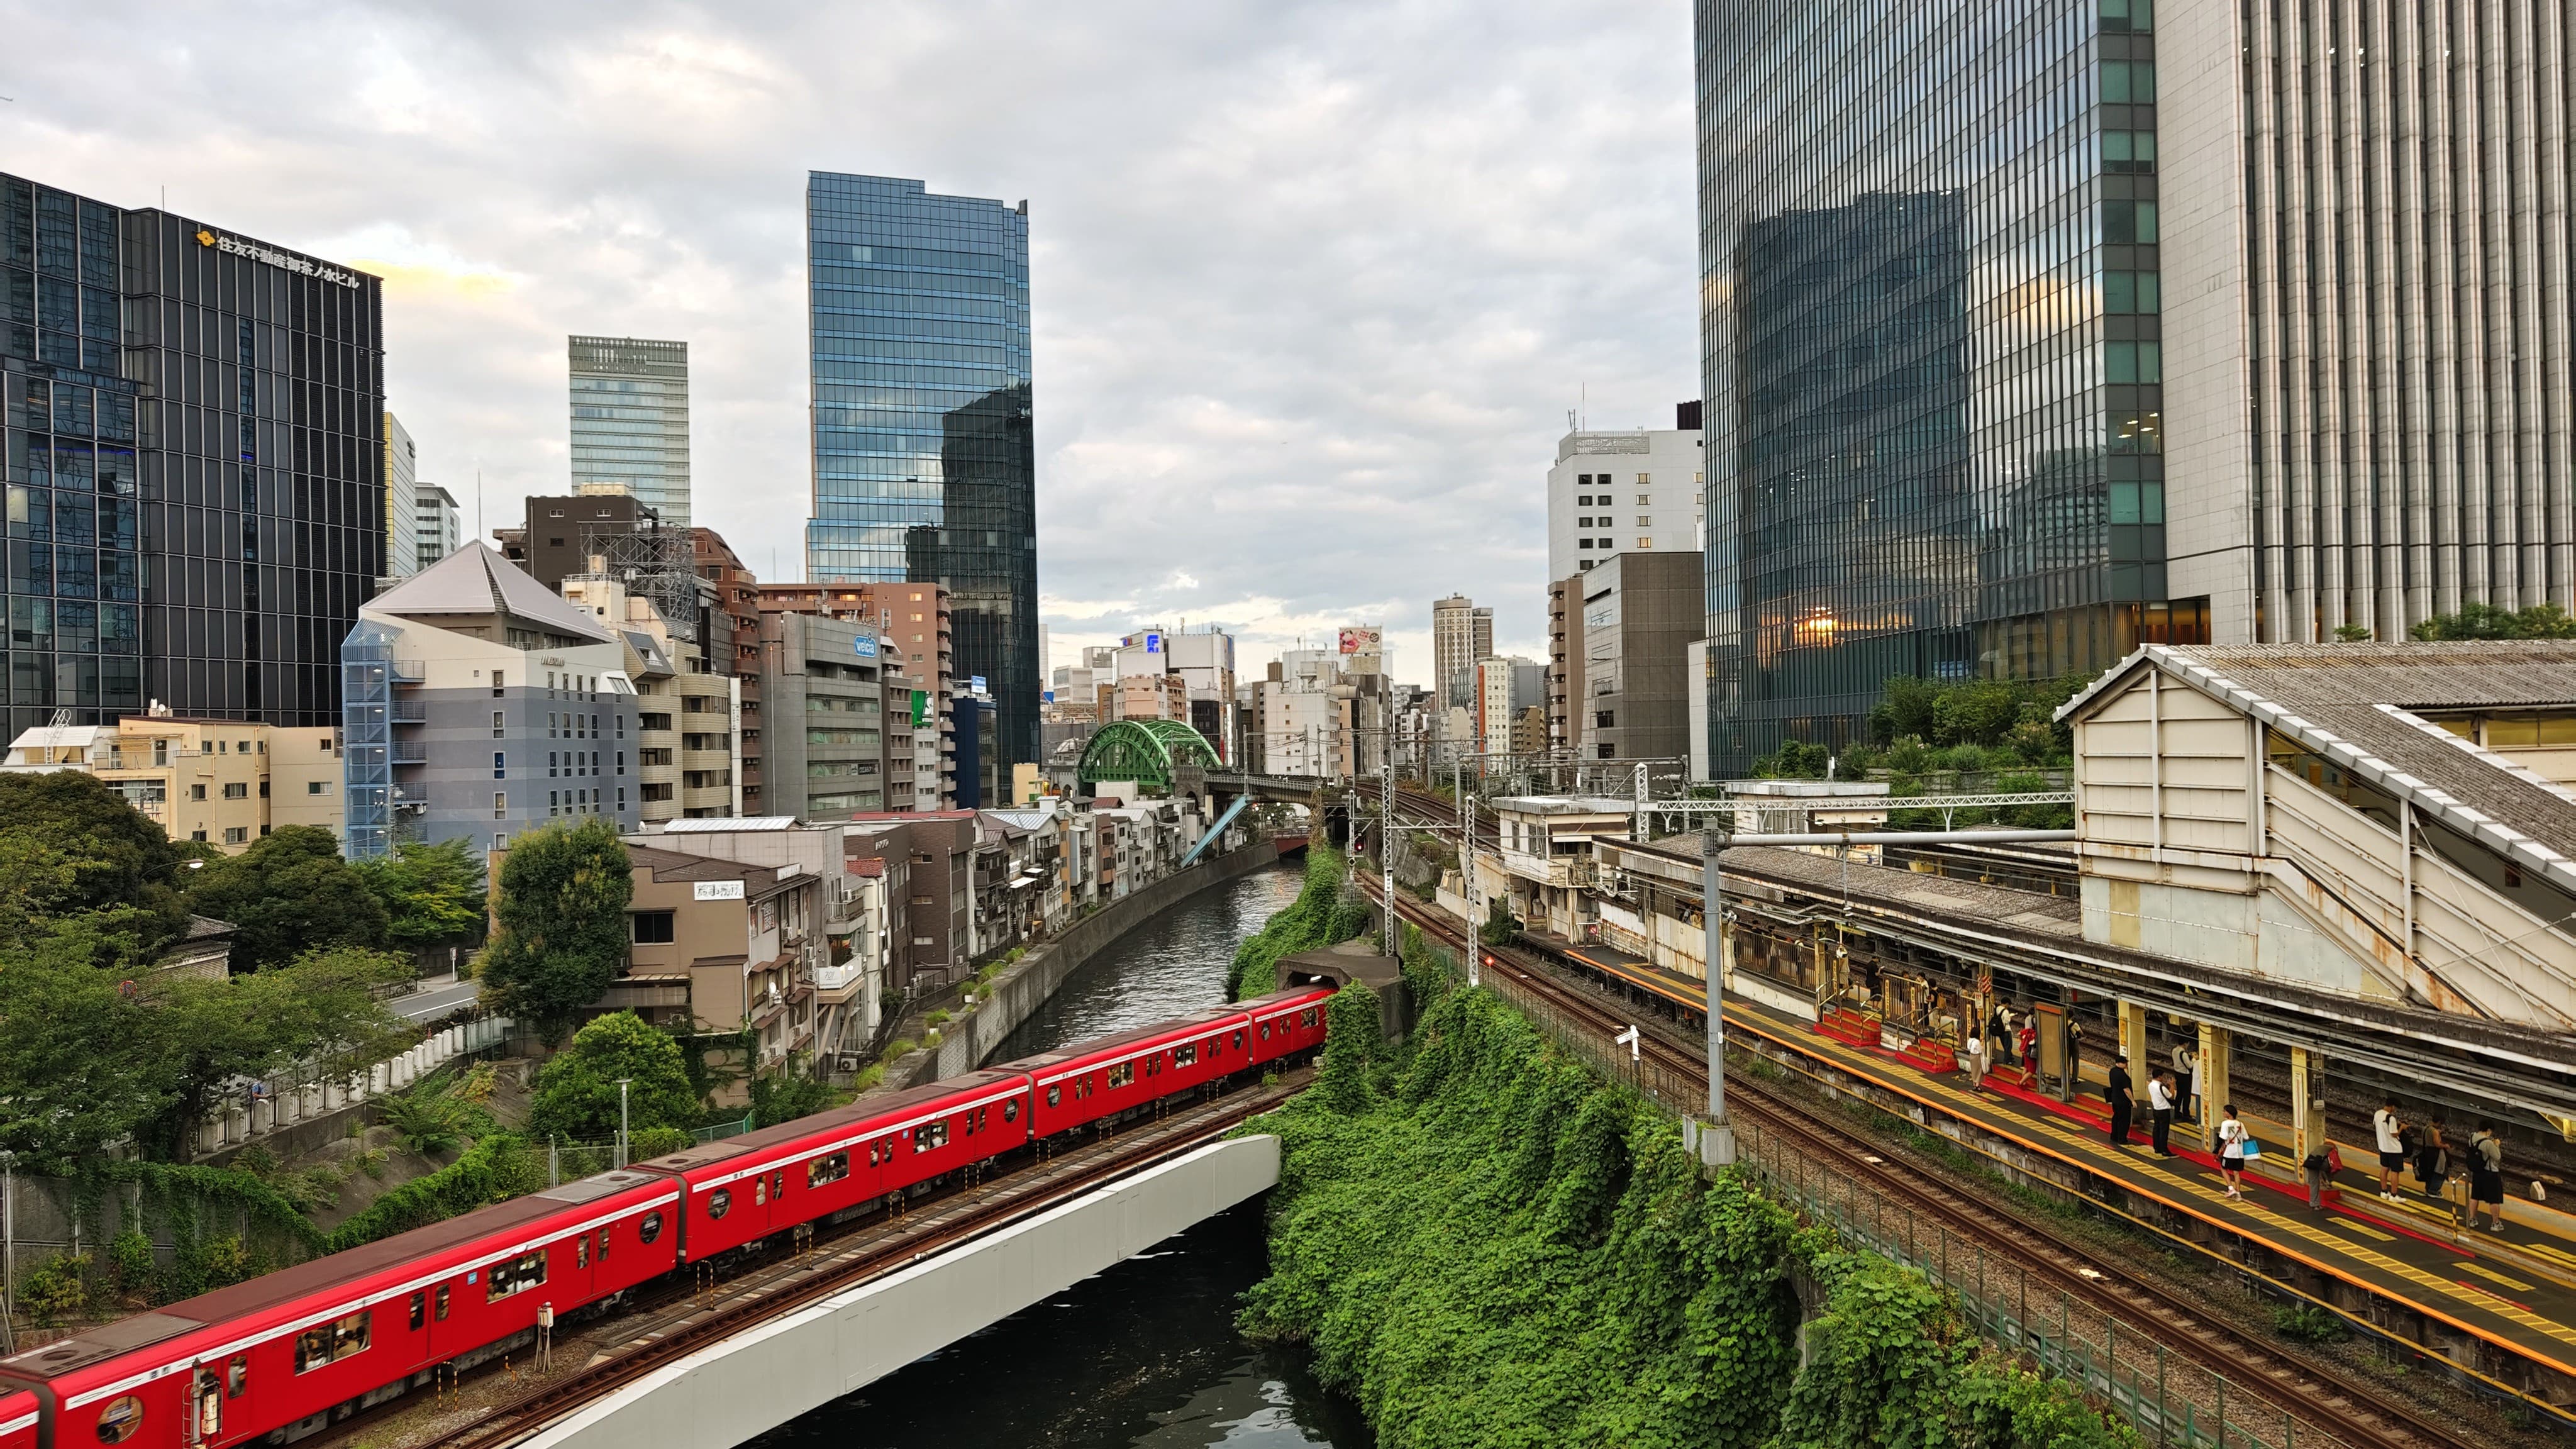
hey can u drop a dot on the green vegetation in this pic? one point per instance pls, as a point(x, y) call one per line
point(2309, 1323)
point(1925, 735)
point(289, 893)
point(577, 1091)
point(497, 1168)
point(787, 1094)
point(561, 921)
point(95, 852)
point(1486, 1245)
point(1325, 911)
point(432, 894)
point(2486, 621)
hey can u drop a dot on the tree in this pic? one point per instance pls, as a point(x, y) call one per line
point(432, 894)
point(2486, 621)
point(78, 1063)
point(561, 915)
point(319, 1013)
point(118, 856)
point(289, 893)
point(577, 1092)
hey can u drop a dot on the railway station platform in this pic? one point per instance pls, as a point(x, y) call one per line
point(2502, 1306)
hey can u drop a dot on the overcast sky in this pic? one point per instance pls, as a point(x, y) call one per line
point(1314, 285)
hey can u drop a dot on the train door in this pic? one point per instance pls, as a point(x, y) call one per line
point(206, 1405)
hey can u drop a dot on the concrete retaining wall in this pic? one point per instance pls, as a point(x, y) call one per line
point(1016, 994)
point(726, 1395)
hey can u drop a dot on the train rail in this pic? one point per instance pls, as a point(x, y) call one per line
point(2323, 1400)
point(681, 1320)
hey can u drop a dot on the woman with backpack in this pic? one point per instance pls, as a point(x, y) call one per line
point(2232, 1138)
point(2486, 1177)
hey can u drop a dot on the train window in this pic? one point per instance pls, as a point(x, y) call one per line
point(438, 1310)
point(1238, 1038)
point(1306, 1018)
point(118, 1421)
point(827, 1169)
point(581, 1251)
point(1185, 1055)
point(1011, 1110)
point(1055, 1094)
point(983, 1117)
point(929, 1135)
point(759, 1191)
point(720, 1202)
point(327, 1343)
point(603, 1245)
point(645, 1232)
point(1265, 1031)
point(419, 1311)
point(236, 1375)
point(515, 1276)
point(210, 1412)
point(1154, 1065)
point(778, 1183)
point(1121, 1074)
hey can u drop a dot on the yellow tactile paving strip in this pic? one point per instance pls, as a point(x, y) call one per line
point(2535, 1323)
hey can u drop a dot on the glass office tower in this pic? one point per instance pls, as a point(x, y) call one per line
point(630, 421)
point(1931, 350)
point(194, 464)
point(924, 465)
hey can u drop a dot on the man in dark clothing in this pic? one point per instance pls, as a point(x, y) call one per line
point(2118, 1096)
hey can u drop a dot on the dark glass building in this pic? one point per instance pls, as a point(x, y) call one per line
point(194, 464)
point(924, 459)
point(1931, 352)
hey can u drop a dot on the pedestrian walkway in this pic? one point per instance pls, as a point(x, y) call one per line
point(2494, 1289)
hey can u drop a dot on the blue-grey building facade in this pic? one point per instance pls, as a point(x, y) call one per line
point(194, 464)
point(924, 458)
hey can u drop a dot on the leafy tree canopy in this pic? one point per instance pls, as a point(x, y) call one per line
point(117, 856)
point(2486, 621)
point(562, 924)
point(577, 1092)
point(432, 894)
point(289, 893)
point(319, 1012)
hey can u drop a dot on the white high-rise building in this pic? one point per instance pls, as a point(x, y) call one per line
point(402, 507)
point(630, 421)
point(437, 528)
point(1615, 491)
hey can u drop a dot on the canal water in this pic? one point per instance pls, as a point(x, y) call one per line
point(1145, 1355)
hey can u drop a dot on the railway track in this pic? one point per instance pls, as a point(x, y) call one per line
point(839, 1260)
point(2323, 1401)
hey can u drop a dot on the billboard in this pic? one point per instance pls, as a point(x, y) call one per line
point(864, 645)
point(1360, 641)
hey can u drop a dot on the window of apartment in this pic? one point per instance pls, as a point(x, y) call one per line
point(500, 765)
point(317, 787)
point(197, 792)
point(621, 799)
point(196, 835)
point(237, 790)
point(621, 726)
point(500, 811)
point(237, 835)
point(1645, 542)
point(500, 722)
point(553, 764)
point(655, 928)
point(1645, 480)
point(1583, 480)
point(496, 694)
point(554, 802)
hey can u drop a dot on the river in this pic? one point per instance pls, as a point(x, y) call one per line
point(1145, 1355)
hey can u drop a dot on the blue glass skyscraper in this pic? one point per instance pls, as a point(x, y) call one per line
point(924, 465)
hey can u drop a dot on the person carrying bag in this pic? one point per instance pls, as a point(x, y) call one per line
point(2235, 1148)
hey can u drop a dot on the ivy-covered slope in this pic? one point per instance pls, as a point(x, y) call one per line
point(1487, 1246)
point(1325, 911)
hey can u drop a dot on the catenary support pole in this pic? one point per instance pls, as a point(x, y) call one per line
point(1386, 841)
point(1714, 1137)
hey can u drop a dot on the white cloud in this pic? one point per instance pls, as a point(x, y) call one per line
point(1314, 284)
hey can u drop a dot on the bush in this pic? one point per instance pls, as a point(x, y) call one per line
point(432, 1118)
point(129, 1265)
point(577, 1094)
point(655, 1142)
point(56, 1291)
point(2308, 1323)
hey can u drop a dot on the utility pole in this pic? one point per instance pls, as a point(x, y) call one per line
point(1386, 839)
point(1467, 875)
point(1715, 1137)
point(622, 1138)
point(8, 1253)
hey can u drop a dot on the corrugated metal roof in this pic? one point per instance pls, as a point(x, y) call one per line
point(476, 579)
point(711, 824)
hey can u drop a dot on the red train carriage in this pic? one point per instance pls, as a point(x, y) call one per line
point(282, 1352)
point(1285, 1023)
point(1099, 1079)
point(745, 1188)
point(17, 1419)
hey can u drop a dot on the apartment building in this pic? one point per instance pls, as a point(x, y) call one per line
point(223, 783)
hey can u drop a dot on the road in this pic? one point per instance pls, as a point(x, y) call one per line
point(436, 998)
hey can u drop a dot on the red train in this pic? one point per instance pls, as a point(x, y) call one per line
point(283, 1355)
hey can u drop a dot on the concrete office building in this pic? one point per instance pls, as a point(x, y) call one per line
point(402, 501)
point(436, 527)
point(733, 647)
point(194, 465)
point(560, 535)
point(1615, 491)
point(915, 621)
point(840, 738)
point(2096, 323)
point(1505, 686)
point(1461, 634)
point(1641, 614)
point(630, 421)
point(1565, 663)
point(924, 460)
point(688, 720)
point(478, 703)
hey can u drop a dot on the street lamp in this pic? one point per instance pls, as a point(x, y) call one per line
point(622, 1137)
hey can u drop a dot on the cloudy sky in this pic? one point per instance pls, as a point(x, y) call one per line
point(1314, 284)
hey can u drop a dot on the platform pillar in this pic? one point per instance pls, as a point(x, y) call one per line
point(2308, 1118)
point(2215, 1042)
point(2133, 1040)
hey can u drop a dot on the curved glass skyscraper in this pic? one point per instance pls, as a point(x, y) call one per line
point(924, 466)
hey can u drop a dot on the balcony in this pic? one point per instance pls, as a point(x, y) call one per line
point(408, 712)
point(408, 753)
point(407, 673)
point(829, 980)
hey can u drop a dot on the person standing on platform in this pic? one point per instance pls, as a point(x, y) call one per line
point(2026, 1047)
point(2123, 1109)
point(2186, 1065)
point(2433, 1167)
point(1975, 1057)
point(2231, 1151)
point(1999, 1032)
point(2486, 1177)
point(2160, 1110)
point(2391, 1131)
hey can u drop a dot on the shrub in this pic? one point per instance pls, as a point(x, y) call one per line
point(129, 1265)
point(2308, 1323)
point(56, 1290)
point(659, 1142)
